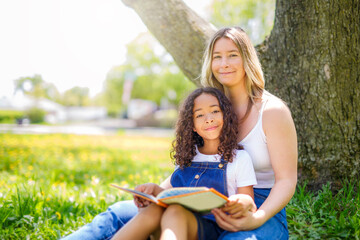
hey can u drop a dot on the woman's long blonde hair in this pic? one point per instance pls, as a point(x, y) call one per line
point(254, 79)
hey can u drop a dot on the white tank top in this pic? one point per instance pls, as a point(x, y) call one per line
point(255, 144)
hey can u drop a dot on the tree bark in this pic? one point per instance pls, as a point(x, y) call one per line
point(312, 63)
point(310, 60)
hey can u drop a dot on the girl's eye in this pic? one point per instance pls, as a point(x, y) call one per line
point(216, 111)
point(216, 56)
point(233, 55)
point(199, 116)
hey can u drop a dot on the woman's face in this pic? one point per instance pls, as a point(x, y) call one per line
point(227, 64)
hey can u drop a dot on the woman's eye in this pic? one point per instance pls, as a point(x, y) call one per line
point(217, 56)
point(216, 111)
point(199, 116)
point(233, 55)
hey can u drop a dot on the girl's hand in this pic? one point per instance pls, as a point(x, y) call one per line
point(249, 221)
point(148, 188)
point(239, 205)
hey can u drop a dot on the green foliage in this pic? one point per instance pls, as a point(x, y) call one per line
point(35, 115)
point(36, 87)
point(325, 215)
point(76, 96)
point(168, 86)
point(153, 72)
point(256, 17)
point(10, 116)
point(113, 91)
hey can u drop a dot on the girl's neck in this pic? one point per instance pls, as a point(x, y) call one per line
point(210, 147)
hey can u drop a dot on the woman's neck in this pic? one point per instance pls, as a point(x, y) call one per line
point(238, 96)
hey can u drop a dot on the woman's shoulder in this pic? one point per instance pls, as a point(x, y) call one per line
point(276, 112)
point(274, 106)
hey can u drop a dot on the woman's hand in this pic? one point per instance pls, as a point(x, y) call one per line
point(148, 188)
point(250, 220)
point(239, 205)
point(238, 214)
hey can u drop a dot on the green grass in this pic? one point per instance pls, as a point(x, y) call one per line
point(325, 215)
point(50, 185)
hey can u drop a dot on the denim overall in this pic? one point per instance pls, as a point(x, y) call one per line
point(203, 174)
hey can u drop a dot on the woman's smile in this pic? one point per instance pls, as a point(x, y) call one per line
point(226, 73)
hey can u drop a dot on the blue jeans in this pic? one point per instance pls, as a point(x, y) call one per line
point(106, 224)
point(274, 228)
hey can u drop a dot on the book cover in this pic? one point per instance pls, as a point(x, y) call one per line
point(199, 199)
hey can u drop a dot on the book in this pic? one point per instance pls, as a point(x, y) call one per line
point(199, 199)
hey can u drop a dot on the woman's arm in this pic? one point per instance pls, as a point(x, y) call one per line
point(282, 145)
point(281, 138)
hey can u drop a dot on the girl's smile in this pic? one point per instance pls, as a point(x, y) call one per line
point(211, 128)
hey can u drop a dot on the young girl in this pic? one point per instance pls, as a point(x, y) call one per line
point(206, 154)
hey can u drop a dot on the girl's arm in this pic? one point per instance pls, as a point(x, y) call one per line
point(166, 183)
point(151, 188)
point(282, 145)
point(148, 188)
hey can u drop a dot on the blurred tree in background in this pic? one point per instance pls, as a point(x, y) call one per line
point(153, 73)
point(36, 87)
point(76, 96)
point(256, 17)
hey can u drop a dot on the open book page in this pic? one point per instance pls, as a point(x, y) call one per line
point(179, 191)
point(148, 197)
point(200, 199)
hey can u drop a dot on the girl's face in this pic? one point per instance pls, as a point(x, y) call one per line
point(207, 117)
point(227, 64)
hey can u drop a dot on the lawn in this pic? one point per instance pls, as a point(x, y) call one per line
point(51, 185)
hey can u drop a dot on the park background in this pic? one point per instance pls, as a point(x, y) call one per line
point(90, 108)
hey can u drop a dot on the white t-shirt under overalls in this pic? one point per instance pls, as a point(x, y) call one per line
point(239, 173)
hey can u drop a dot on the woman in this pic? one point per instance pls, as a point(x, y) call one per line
point(267, 133)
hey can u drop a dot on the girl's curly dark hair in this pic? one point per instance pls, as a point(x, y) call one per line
point(183, 147)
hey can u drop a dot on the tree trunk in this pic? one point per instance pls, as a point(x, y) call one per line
point(312, 63)
point(310, 60)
